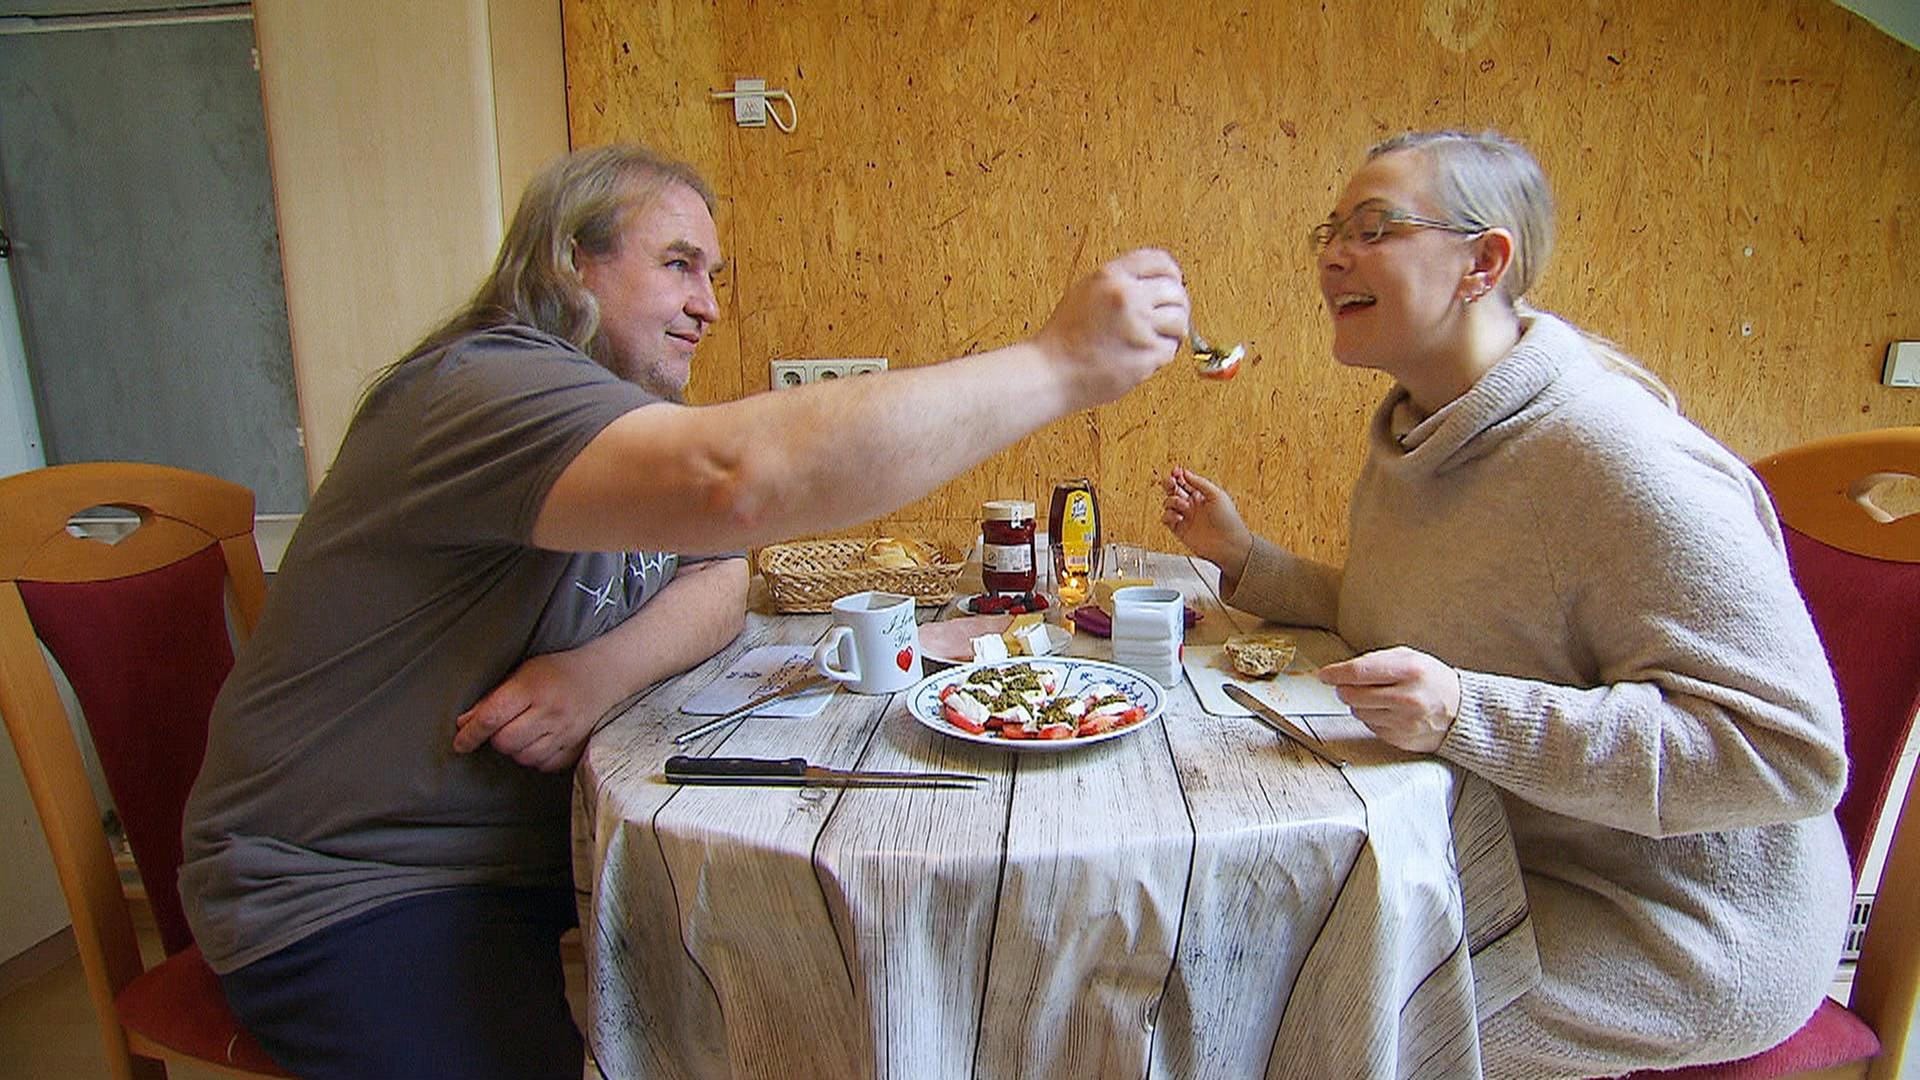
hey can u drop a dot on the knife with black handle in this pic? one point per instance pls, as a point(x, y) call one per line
point(796, 772)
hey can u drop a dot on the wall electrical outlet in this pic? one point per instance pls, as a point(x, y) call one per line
point(785, 373)
point(1903, 364)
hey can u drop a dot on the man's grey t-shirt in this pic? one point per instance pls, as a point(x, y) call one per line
point(409, 591)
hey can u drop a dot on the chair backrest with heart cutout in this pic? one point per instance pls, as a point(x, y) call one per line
point(139, 625)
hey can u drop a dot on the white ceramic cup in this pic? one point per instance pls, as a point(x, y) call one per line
point(1149, 612)
point(874, 645)
point(1149, 626)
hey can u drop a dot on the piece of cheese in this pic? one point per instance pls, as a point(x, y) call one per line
point(1103, 590)
point(989, 647)
point(1035, 640)
point(1012, 635)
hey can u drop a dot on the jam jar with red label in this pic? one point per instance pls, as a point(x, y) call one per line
point(1006, 546)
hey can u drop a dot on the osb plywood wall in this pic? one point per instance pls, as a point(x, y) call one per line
point(1736, 184)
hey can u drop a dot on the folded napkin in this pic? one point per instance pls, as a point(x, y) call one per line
point(760, 671)
point(1100, 624)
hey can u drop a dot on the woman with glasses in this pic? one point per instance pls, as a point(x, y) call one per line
point(1556, 581)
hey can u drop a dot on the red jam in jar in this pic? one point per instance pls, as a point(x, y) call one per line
point(1006, 546)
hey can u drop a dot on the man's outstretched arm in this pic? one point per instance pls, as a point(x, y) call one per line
point(816, 458)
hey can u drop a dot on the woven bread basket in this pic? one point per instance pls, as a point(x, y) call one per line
point(810, 575)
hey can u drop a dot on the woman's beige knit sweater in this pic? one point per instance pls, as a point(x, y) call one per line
point(1640, 679)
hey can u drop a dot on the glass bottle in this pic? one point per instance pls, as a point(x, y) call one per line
point(1073, 536)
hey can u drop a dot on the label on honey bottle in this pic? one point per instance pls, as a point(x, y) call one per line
point(1076, 526)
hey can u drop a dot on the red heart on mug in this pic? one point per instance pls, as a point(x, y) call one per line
point(905, 659)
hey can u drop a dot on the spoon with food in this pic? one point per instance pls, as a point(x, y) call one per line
point(1214, 363)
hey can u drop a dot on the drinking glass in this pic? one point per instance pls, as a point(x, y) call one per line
point(1071, 584)
point(1126, 561)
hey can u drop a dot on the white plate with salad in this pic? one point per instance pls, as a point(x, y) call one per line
point(1044, 704)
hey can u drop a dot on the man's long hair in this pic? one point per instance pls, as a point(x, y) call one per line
point(576, 207)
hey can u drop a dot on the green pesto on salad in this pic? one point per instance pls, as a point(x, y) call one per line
point(1021, 701)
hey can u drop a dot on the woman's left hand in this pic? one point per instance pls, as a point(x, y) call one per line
point(1407, 698)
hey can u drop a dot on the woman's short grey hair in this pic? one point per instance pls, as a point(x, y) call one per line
point(1488, 181)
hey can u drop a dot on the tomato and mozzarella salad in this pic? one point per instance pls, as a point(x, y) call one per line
point(1022, 701)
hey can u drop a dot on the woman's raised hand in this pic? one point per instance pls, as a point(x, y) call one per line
point(1203, 517)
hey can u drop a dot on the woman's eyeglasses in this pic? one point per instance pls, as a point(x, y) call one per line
point(1372, 224)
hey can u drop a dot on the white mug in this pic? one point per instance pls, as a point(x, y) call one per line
point(1149, 627)
point(1149, 612)
point(874, 645)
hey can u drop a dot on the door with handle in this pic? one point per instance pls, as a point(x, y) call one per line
point(143, 250)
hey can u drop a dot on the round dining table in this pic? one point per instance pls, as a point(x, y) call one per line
point(1201, 897)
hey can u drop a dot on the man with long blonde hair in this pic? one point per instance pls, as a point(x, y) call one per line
point(525, 526)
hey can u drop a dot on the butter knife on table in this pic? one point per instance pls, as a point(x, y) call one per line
point(797, 772)
point(785, 690)
point(1278, 721)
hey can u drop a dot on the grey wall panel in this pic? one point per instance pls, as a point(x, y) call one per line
point(63, 8)
point(133, 169)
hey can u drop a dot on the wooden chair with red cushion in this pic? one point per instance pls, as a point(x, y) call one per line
point(1858, 565)
point(141, 629)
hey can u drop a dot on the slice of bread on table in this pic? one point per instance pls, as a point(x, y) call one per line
point(1259, 655)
